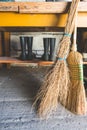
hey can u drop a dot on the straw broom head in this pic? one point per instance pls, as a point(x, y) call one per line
point(55, 85)
point(76, 97)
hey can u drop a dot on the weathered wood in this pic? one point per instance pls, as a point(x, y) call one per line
point(10, 60)
point(0, 48)
point(82, 7)
point(40, 7)
point(0, 45)
point(7, 46)
point(9, 6)
point(85, 63)
point(31, 29)
point(7, 43)
point(44, 7)
point(49, 7)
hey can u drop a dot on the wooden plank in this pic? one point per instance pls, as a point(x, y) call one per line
point(40, 7)
point(7, 46)
point(0, 48)
point(49, 7)
point(85, 63)
point(0, 45)
point(44, 7)
point(7, 43)
point(30, 20)
point(15, 61)
point(31, 29)
point(82, 7)
point(10, 60)
point(40, 63)
point(82, 20)
point(39, 20)
point(8, 6)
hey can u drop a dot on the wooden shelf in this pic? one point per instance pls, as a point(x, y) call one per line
point(10, 60)
point(85, 63)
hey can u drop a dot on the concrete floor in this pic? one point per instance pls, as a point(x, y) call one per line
point(18, 86)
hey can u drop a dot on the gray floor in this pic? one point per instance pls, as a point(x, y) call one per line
point(18, 86)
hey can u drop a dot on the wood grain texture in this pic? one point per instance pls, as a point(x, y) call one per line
point(0, 49)
point(40, 7)
point(49, 7)
point(11, 60)
point(44, 7)
point(31, 29)
point(9, 6)
point(7, 43)
point(0, 45)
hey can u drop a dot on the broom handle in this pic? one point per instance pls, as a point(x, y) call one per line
point(74, 46)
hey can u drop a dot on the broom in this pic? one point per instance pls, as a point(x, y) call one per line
point(76, 97)
point(55, 85)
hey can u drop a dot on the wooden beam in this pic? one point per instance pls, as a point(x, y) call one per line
point(15, 61)
point(7, 43)
point(0, 48)
point(31, 29)
point(49, 7)
point(40, 7)
point(7, 46)
point(0, 45)
point(44, 7)
point(9, 6)
point(39, 20)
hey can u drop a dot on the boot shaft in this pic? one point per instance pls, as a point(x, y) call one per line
point(23, 48)
point(46, 49)
point(52, 49)
point(30, 55)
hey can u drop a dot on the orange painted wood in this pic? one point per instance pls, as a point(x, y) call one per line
point(45, 63)
point(17, 61)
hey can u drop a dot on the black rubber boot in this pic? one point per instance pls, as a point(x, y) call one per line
point(52, 49)
point(30, 55)
point(46, 49)
point(23, 48)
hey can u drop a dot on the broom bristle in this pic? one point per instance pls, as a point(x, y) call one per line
point(76, 96)
point(55, 85)
point(53, 90)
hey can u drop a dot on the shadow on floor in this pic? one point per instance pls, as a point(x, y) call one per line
point(23, 81)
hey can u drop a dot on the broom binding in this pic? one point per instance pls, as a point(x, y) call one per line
point(67, 34)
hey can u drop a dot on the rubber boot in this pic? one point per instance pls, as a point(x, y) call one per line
point(46, 49)
point(52, 49)
point(23, 48)
point(30, 55)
